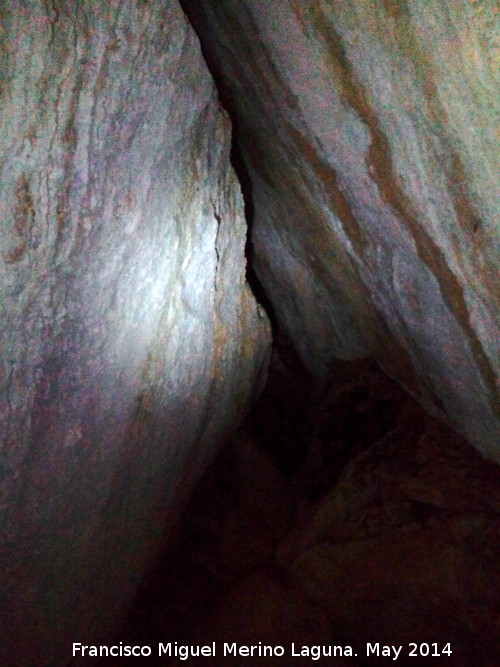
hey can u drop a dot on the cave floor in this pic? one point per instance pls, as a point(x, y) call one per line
point(339, 514)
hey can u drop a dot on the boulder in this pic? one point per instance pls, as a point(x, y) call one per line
point(130, 343)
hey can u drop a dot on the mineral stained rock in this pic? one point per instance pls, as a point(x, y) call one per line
point(369, 133)
point(129, 340)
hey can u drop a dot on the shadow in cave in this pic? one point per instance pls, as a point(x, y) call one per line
point(339, 514)
point(238, 163)
point(241, 169)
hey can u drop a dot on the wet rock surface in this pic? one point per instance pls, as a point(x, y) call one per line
point(386, 529)
point(130, 344)
point(368, 131)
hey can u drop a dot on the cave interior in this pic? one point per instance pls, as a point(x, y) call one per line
point(335, 510)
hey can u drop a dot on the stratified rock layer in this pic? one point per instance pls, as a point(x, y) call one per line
point(129, 339)
point(368, 129)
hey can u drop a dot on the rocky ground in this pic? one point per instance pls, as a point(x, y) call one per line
point(341, 515)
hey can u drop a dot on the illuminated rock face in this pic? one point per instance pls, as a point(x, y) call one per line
point(368, 129)
point(129, 339)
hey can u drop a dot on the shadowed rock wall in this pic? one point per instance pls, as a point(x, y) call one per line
point(129, 340)
point(337, 515)
point(368, 129)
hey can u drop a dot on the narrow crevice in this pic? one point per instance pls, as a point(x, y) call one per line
point(240, 167)
point(347, 466)
point(318, 514)
point(241, 170)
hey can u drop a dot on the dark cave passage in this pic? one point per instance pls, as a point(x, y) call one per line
point(339, 514)
point(337, 511)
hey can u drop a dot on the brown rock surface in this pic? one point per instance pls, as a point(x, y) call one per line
point(393, 538)
point(264, 608)
point(129, 342)
point(369, 130)
point(405, 547)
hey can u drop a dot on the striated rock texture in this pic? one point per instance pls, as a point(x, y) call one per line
point(129, 340)
point(369, 133)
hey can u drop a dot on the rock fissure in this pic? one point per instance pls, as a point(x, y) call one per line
point(321, 129)
point(157, 265)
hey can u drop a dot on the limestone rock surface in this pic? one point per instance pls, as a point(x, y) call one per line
point(129, 340)
point(369, 132)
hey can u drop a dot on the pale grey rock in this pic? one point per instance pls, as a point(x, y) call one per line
point(369, 132)
point(129, 340)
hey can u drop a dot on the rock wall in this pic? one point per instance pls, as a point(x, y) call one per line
point(129, 340)
point(368, 129)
